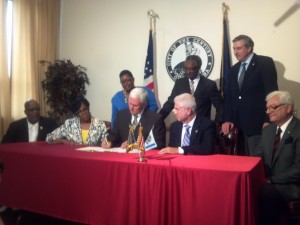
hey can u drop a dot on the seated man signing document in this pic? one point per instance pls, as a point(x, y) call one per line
point(135, 117)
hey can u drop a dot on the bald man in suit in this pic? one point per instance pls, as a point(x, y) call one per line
point(32, 128)
point(280, 150)
point(205, 91)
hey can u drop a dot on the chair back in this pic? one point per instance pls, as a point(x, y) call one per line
point(228, 143)
point(108, 125)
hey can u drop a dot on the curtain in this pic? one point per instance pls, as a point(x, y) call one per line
point(4, 79)
point(35, 39)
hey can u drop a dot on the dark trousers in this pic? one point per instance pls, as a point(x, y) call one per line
point(247, 144)
point(270, 205)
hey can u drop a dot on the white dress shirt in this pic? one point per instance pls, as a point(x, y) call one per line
point(33, 130)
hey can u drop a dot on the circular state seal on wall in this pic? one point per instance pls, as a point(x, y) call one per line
point(183, 47)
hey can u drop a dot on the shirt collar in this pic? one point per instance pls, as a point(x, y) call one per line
point(284, 126)
point(248, 60)
point(32, 125)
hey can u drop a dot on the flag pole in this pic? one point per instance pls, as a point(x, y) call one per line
point(226, 58)
point(149, 78)
point(152, 16)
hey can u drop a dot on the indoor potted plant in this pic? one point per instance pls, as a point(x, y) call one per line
point(64, 82)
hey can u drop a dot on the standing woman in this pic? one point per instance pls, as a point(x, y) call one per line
point(81, 129)
point(120, 100)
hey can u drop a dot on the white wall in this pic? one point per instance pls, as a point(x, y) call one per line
point(107, 36)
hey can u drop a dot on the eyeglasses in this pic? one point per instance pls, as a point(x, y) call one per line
point(273, 107)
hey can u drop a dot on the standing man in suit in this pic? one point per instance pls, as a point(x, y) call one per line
point(280, 149)
point(137, 115)
point(251, 79)
point(32, 128)
point(205, 91)
point(192, 134)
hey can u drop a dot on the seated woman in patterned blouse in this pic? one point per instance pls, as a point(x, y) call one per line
point(81, 129)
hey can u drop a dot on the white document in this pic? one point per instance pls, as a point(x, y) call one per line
point(99, 149)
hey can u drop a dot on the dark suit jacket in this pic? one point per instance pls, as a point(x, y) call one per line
point(203, 136)
point(18, 130)
point(205, 94)
point(284, 172)
point(149, 120)
point(246, 108)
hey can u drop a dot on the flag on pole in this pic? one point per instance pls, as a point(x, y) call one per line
point(226, 58)
point(148, 71)
point(150, 141)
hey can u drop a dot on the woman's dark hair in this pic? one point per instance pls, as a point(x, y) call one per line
point(125, 72)
point(75, 106)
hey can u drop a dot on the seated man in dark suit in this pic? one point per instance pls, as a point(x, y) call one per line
point(280, 149)
point(137, 115)
point(192, 134)
point(32, 128)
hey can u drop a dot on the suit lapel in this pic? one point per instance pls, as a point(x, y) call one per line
point(195, 130)
point(186, 84)
point(179, 133)
point(235, 75)
point(25, 127)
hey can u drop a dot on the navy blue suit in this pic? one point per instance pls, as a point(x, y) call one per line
point(18, 130)
point(246, 108)
point(203, 136)
point(205, 95)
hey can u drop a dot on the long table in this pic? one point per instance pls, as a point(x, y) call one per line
point(105, 188)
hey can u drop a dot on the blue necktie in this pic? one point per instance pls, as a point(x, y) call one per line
point(242, 75)
point(187, 135)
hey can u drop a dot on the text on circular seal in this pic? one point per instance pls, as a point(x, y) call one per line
point(183, 47)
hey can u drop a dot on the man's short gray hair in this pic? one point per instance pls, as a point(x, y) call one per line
point(249, 43)
point(284, 97)
point(186, 100)
point(139, 93)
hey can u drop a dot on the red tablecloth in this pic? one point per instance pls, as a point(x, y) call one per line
point(114, 189)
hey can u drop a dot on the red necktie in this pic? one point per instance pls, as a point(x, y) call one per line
point(276, 142)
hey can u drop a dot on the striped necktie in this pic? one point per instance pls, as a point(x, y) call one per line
point(135, 122)
point(242, 75)
point(276, 143)
point(192, 87)
point(187, 136)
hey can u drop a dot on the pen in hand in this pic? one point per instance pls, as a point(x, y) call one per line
point(105, 143)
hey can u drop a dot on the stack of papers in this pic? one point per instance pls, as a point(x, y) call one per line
point(99, 149)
